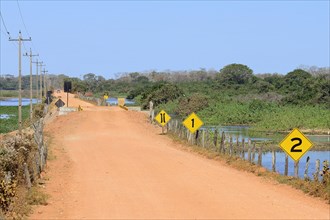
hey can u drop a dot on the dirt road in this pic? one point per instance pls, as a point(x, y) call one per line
point(111, 163)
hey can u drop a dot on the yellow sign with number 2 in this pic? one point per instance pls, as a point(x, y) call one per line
point(296, 144)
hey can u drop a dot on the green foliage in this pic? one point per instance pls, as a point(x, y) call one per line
point(235, 74)
point(161, 94)
point(193, 103)
point(11, 124)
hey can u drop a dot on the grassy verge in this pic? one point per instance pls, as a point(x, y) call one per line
point(313, 188)
point(14, 93)
point(267, 117)
point(11, 124)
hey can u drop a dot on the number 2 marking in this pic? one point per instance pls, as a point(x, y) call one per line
point(296, 145)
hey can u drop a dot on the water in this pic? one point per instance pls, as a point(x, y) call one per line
point(280, 162)
point(114, 101)
point(5, 116)
point(14, 102)
point(244, 132)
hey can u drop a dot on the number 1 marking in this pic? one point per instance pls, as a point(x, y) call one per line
point(192, 122)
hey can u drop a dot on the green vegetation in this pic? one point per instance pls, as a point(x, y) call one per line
point(10, 124)
point(232, 96)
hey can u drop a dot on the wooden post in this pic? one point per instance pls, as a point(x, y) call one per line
point(163, 130)
point(296, 168)
point(253, 153)
point(317, 170)
point(203, 138)
point(273, 161)
point(196, 137)
point(260, 156)
point(176, 126)
point(249, 150)
point(151, 111)
point(222, 142)
point(231, 145)
point(27, 176)
point(306, 169)
point(215, 138)
point(207, 136)
point(243, 150)
point(237, 146)
point(286, 166)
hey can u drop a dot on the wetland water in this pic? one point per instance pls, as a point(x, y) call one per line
point(14, 102)
point(244, 132)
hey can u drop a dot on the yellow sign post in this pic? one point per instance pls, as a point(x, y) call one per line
point(192, 122)
point(296, 144)
point(105, 97)
point(162, 118)
point(121, 101)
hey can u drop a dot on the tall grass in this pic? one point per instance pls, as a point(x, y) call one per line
point(11, 124)
point(267, 116)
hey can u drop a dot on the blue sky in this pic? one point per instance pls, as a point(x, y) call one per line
point(111, 37)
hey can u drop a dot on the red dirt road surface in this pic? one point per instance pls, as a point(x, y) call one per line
point(109, 163)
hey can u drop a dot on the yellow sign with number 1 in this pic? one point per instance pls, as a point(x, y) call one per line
point(296, 144)
point(192, 122)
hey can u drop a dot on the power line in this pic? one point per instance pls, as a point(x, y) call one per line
point(26, 30)
point(20, 13)
point(4, 24)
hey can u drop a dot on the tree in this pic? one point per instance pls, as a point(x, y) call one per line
point(193, 103)
point(235, 74)
point(91, 81)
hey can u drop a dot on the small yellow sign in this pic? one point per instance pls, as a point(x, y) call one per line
point(121, 101)
point(105, 97)
point(193, 122)
point(162, 118)
point(296, 144)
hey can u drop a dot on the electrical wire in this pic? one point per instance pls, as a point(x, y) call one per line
point(26, 30)
point(4, 24)
point(20, 13)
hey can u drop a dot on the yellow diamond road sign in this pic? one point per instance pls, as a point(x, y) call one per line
point(162, 118)
point(296, 144)
point(192, 122)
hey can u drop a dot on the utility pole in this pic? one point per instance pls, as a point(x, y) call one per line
point(37, 75)
point(31, 55)
point(41, 65)
point(45, 83)
point(20, 39)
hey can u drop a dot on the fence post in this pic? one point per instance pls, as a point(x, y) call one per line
point(296, 168)
point(196, 137)
point(286, 166)
point(215, 138)
point(222, 142)
point(243, 145)
point(253, 152)
point(260, 156)
point(317, 170)
point(203, 138)
point(231, 145)
point(237, 147)
point(151, 111)
point(306, 169)
point(27, 176)
point(273, 161)
point(249, 150)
